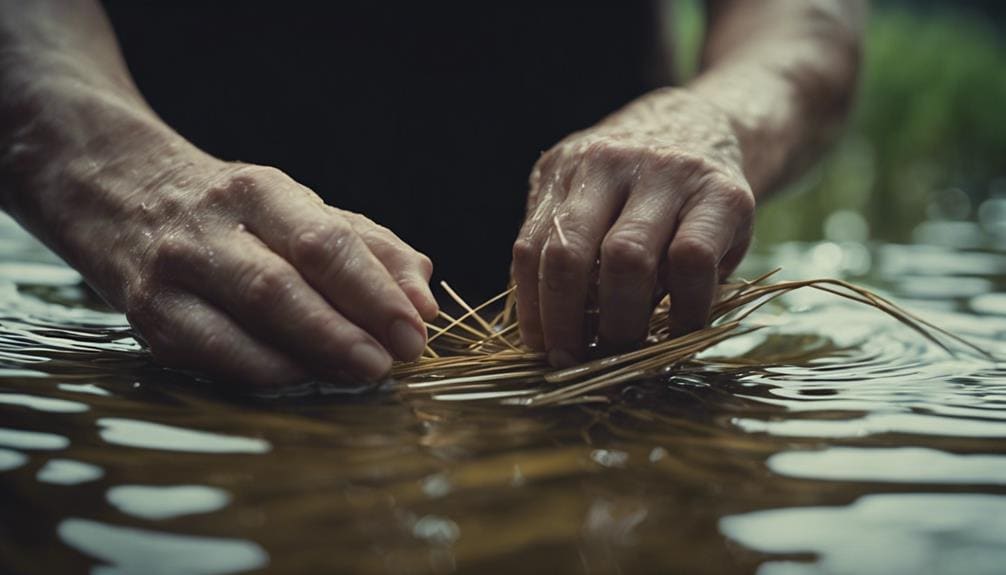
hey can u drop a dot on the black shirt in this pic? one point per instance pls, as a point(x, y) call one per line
point(425, 116)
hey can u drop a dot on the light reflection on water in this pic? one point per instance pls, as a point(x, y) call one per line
point(883, 534)
point(127, 550)
point(860, 448)
point(150, 502)
point(10, 459)
point(893, 464)
point(68, 472)
point(147, 435)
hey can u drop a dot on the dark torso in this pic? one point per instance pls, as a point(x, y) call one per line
point(426, 116)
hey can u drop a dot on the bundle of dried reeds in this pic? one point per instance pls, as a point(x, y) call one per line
point(480, 357)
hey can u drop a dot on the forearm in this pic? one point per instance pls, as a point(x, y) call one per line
point(74, 131)
point(782, 73)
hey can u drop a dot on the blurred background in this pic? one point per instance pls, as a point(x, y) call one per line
point(924, 157)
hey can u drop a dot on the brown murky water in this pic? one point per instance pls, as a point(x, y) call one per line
point(864, 451)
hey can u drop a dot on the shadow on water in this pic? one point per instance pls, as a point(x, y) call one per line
point(853, 446)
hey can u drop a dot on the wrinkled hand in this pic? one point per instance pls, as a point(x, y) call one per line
point(244, 274)
point(656, 193)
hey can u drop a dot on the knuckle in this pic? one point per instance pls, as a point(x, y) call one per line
point(534, 178)
point(663, 165)
point(253, 175)
point(379, 242)
point(425, 264)
point(626, 253)
point(564, 261)
point(604, 153)
point(220, 193)
point(244, 183)
point(167, 207)
point(261, 284)
point(685, 166)
point(737, 197)
point(365, 226)
point(545, 164)
point(690, 253)
point(525, 255)
point(679, 167)
point(170, 256)
point(318, 246)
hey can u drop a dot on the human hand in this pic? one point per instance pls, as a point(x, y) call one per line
point(240, 272)
point(656, 192)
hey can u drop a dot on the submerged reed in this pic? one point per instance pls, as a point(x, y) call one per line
point(476, 356)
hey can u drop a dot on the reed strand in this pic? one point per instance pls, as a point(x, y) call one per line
point(479, 357)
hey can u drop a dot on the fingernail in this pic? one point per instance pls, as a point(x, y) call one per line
point(561, 358)
point(372, 362)
point(405, 340)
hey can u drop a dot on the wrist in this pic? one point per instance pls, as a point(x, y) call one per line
point(77, 170)
point(687, 121)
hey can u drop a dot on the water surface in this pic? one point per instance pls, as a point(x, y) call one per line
point(863, 449)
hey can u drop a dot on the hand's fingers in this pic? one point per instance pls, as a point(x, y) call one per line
point(263, 293)
point(411, 269)
point(734, 256)
point(328, 253)
point(549, 179)
point(524, 269)
point(631, 254)
point(568, 258)
point(706, 232)
point(185, 332)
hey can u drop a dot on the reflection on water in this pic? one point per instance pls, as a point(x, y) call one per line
point(43, 403)
point(10, 459)
point(83, 388)
point(883, 534)
point(876, 423)
point(858, 448)
point(147, 435)
point(142, 552)
point(31, 439)
point(68, 472)
point(147, 502)
point(894, 464)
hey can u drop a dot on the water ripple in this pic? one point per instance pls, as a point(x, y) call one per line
point(142, 551)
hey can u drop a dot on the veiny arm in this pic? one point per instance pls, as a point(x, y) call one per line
point(784, 72)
